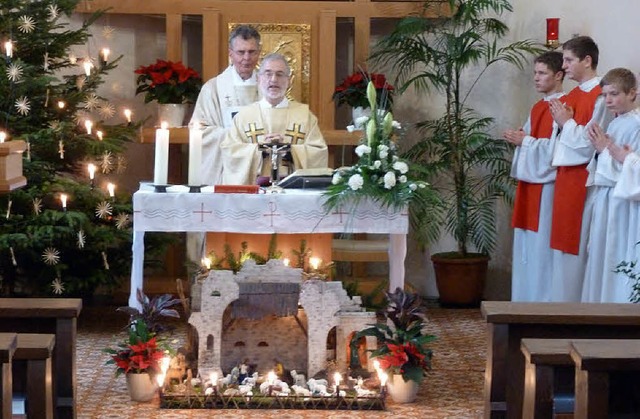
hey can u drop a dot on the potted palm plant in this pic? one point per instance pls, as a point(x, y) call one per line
point(468, 168)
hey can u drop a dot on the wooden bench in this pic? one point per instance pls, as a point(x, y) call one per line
point(37, 350)
point(594, 361)
point(542, 357)
point(50, 315)
point(7, 349)
point(509, 322)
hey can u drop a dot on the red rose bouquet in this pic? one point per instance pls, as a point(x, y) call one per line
point(353, 90)
point(168, 82)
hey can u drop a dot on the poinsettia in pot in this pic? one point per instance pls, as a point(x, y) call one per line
point(402, 345)
point(173, 85)
point(144, 356)
point(352, 91)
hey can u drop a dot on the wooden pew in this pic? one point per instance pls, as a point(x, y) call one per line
point(542, 356)
point(36, 350)
point(594, 361)
point(50, 315)
point(509, 322)
point(7, 348)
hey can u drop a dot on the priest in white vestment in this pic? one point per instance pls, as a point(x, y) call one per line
point(223, 96)
point(272, 120)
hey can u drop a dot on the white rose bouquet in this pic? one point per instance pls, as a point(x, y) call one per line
point(380, 173)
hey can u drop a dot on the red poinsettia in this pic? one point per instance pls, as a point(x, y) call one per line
point(353, 90)
point(402, 343)
point(140, 353)
point(168, 82)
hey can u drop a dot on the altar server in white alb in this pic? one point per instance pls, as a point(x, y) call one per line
point(272, 120)
point(223, 96)
point(612, 226)
point(532, 268)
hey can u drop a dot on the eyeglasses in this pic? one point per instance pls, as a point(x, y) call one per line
point(250, 52)
point(278, 74)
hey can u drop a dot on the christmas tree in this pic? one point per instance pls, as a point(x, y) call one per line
point(61, 234)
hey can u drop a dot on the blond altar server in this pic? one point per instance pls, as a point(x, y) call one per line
point(272, 120)
point(582, 106)
point(611, 228)
point(531, 220)
point(223, 96)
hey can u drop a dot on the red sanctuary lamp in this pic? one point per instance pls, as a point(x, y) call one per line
point(553, 25)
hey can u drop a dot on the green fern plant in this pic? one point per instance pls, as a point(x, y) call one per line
point(468, 168)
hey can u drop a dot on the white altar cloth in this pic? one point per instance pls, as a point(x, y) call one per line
point(295, 211)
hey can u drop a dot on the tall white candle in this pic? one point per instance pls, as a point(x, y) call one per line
point(195, 155)
point(161, 166)
point(92, 170)
point(111, 188)
point(8, 49)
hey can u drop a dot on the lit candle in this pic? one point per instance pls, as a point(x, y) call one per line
point(376, 366)
point(61, 104)
point(112, 189)
point(105, 54)
point(195, 154)
point(88, 125)
point(161, 165)
point(271, 379)
point(336, 379)
point(286, 261)
point(553, 30)
point(88, 65)
point(214, 381)
point(127, 114)
point(3, 136)
point(8, 49)
point(314, 262)
point(383, 382)
point(206, 262)
point(92, 170)
point(100, 134)
point(63, 200)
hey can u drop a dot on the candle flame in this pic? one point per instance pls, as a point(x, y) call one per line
point(286, 262)
point(88, 65)
point(100, 134)
point(164, 125)
point(127, 114)
point(3, 136)
point(88, 124)
point(61, 104)
point(111, 188)
point(314, 262)
point(63, 200)
point(206, 262)
point(92, 170)
point(383, 378)
point(8, 48)
point(105, 53)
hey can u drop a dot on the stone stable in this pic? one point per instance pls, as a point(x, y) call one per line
point(299, 341)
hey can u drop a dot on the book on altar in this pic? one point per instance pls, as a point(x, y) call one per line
point(236, 188)
point(316, 178)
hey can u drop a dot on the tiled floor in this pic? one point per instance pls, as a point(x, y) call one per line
point(453, 389)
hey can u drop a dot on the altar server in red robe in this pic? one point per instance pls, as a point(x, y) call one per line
point(531, 265)
point(583, 105)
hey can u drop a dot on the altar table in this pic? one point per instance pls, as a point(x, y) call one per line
point(295, 211)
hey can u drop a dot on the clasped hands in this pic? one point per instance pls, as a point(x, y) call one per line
point(560, 112)
point(601, 141)
point(272, 139)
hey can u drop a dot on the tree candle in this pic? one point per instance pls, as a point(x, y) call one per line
point(195, 155)
point(161, 165)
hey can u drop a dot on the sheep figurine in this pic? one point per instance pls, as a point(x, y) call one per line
point(299, 379)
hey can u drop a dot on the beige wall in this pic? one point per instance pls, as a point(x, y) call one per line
point(503, 92)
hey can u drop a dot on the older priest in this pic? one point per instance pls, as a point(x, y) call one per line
point(272, 120)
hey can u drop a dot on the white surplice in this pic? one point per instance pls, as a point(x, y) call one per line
point(609, 226)
point(573, 148)
point(531, 264)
